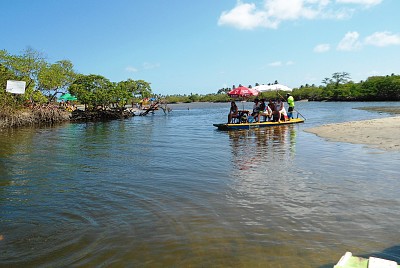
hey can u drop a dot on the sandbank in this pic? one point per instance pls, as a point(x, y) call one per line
point(381, 133)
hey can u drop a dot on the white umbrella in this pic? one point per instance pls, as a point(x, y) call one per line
point(263, 88)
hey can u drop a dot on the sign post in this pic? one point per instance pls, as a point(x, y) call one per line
point(16, 87)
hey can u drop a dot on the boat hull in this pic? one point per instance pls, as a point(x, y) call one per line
point(257, 125)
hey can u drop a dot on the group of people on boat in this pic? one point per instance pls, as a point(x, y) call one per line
point(273, 111)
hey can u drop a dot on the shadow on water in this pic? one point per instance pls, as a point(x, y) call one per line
point(392, 254)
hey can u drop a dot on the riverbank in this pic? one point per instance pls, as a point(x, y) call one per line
point(381, 133)
point(52, 114)
point(45, 114)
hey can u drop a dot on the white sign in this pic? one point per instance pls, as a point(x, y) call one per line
point(16, 87)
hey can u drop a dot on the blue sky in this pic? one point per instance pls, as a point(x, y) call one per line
point(184, 47)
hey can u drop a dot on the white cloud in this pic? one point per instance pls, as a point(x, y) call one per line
point(383, 39)
point(275, 63)
point(291, 9)
point(350, 42)
point(244, 16)
point(131, 69)
point(247, 16)
point(280, 63)
point(321, 48)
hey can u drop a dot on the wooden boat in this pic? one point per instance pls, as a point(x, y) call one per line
point(236, 126)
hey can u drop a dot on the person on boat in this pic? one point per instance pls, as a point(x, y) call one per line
point(290, 101)
point(265, 111)
point(256, 108)
point(280, 111)
point(271, 105)
point(233, 112)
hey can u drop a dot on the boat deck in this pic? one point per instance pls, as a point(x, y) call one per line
point(256, 125)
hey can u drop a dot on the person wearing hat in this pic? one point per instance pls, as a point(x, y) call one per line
point(290, 101)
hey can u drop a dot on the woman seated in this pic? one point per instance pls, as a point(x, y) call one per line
point(233, 112)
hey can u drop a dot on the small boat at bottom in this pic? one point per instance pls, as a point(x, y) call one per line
point(350, 261)
point(235, 126)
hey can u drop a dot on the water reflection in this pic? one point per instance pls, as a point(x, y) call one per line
point(251, 148)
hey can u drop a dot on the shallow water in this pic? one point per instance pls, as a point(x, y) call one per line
point(171, 190)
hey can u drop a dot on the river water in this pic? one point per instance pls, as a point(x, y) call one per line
point(172, 191)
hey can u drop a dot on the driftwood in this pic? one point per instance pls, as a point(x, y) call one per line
point(152, 108)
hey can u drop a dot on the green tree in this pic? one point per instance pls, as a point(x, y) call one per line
point(340, 78)
point(122, 93)
point(26, 66)
point(56, 78)
point(138, 88)
point(142, 88)
point(381, 88)
point(326, 81)
point(92, 90)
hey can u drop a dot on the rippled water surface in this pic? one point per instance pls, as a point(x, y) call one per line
point(172, 191)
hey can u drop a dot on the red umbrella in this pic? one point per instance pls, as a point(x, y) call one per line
point(242, 92)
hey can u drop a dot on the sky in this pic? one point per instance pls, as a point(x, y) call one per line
point(201, 46)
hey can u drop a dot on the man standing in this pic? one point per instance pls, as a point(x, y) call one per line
point(290, 101)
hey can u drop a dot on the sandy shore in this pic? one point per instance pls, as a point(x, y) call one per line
point(378, 133)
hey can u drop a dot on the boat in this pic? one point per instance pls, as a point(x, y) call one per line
point(236, 126)
point(350, 261)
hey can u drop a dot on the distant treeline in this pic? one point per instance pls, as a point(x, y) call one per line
point(337, 88)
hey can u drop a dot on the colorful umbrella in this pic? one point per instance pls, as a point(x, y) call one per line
point(67, 97)
point(242, 91)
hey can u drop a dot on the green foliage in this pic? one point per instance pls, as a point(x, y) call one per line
point(224, 90)
point(308, 92)
point(120, 94)
point(96, 90)
point(381, 88)
point(176, 98)
point(136, 88)
point(223, 97)
point(339, 88)
point(56, 78)
point(26, 67)
point(92, 90)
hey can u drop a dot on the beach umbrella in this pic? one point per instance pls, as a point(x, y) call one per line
point(264, 88)
point(67, 97)
point(242, 92)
